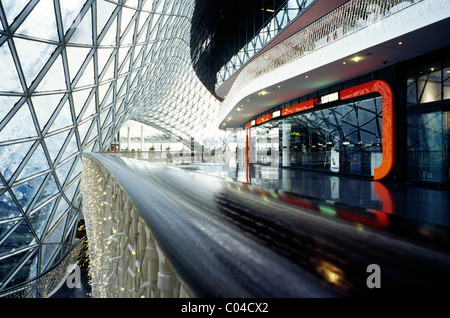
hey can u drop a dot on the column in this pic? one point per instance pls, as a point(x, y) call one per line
point(286, 144)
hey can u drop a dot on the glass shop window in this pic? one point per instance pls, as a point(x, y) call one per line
point(428, 139)
point(344, 139)
point(429, 84)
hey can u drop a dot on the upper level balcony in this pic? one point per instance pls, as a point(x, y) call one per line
point(356, 38)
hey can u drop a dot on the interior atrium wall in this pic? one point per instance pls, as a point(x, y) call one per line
point(73, 72)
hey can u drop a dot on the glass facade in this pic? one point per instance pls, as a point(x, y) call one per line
point(72, 73)
point(345, 138)
point(428, 147)
point(428, 100)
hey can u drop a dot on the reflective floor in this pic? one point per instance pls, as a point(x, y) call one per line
point(348, 234)
point(404, 229)
point(394, 200)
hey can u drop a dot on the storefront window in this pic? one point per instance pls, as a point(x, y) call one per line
point(427, 147)
point(344, 139)
point(429, 84)
point(265, 144)
point(446, 81)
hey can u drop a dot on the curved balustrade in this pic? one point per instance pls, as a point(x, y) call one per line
point(163, 231)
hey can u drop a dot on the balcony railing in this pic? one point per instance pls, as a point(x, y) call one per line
point(350, 17)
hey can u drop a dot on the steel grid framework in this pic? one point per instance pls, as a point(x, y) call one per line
point(72, 73)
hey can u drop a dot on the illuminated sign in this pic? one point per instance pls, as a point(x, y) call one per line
point(329, 98)
point(276, 114)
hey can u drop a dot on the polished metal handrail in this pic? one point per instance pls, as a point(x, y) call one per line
point(44, 285)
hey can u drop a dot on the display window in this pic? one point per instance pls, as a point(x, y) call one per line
point(350, 132)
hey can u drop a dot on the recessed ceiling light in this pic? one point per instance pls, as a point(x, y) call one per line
point(306, 76)
point(400, 43)
point(344, 62)
point(356, 59)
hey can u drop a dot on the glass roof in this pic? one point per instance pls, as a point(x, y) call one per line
point(73, 72)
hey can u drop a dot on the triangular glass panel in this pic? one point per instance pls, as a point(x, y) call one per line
point(127, 15)
point(8, 266)
point(79, 99)
point(15, 128)
point(44, 107)
point(6, 104)
point(131, 3)
point(54, 80)
point(105, 118)
point(83, 129)
point(111, 35)
point(39, 218)
point(21, 237)
point(123, 57)
point(69, 12)
point(54, 143)
point(104, 55)
point(10, 80)
point(94, 131)
point(90, 109)
point(11, 156)
point(37, 163)
point(63, 119)
point(26, 191)
point(63, 170)
point(83, 33)
point(72, 147)
point(6, 228)
point(48, 254)
point(13, 9)
point(104, 11)
point(8, 209)
point(127, 39)
point(50, 190)
point(88, 75)
point(109, 72)
point(32, 55)
point(70, 191)
point(102, 90)
point(59, 211)
point(76, 56)
point(142, 26)
point(37, 26)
